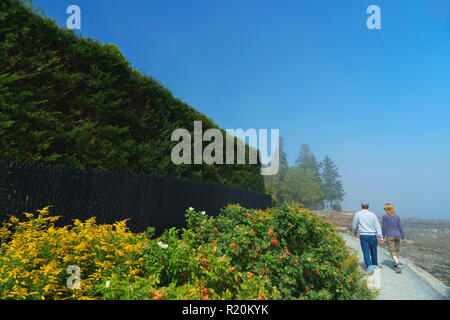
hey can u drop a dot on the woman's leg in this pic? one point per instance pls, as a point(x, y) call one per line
point(390, 242)
point(397, 250)
point(396, 259)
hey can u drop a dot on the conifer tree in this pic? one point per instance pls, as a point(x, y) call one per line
point(331, 184)
point(307, 160)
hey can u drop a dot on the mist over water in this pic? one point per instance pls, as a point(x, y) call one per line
point(413, 177)
point(415, 189)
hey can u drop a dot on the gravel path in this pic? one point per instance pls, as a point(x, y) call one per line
point(411, 284)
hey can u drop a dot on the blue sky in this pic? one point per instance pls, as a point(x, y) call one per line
point(376, 101)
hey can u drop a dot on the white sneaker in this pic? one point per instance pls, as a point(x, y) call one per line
point(370, 269)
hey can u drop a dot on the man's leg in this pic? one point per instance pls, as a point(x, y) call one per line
point(366, 250)
point(373, 249)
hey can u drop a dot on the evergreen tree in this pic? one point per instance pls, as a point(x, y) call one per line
point(331, 185)
point(284, 166)
point(305, 182)
point(307, 160)
point(274, 182)
point(302, 186)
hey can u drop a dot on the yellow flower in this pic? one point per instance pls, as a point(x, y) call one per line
point(28, 215)
point(37, 255)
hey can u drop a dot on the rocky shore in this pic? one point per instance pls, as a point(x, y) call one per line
point(427, 245)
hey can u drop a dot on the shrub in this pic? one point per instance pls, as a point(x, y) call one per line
point(281, 253)
point(188, 270)
point(34, 256)
point(300, 252)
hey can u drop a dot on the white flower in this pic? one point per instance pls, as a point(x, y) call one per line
point(108, 284)
point(162, 245)
point(203, 212)
point(190, 208)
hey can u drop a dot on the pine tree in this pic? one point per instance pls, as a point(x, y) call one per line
point(275, 181)
point(331, 185)
point(283, 160)
point(307, 160)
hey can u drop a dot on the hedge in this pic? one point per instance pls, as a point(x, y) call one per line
point(70, 100)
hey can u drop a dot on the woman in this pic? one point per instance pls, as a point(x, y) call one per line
point(393, 232)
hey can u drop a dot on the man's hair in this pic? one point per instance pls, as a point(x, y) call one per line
point(364, 205)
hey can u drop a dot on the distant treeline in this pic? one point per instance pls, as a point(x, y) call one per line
point(315, 184)
point(73, 101)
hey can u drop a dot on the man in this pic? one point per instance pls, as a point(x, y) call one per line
point(365, 223)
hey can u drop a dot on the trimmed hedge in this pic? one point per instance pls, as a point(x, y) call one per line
point(73, 101)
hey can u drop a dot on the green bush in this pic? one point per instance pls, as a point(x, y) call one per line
point(187, 270)
point(301, 253)
point(73, 101)
point(281, 253)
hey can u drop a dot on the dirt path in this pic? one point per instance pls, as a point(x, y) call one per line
point(412, 284)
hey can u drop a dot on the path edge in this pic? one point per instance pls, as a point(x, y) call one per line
point(433, 282)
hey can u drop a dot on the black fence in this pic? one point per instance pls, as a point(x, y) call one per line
point(148, 200)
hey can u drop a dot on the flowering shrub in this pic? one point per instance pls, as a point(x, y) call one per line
point(281, 253)
point(178, 267)
point(34, 256)
point(301, 254)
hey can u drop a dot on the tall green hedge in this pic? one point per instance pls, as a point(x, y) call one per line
point(73, 101)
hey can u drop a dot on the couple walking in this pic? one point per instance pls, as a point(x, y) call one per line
point(366, 226)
